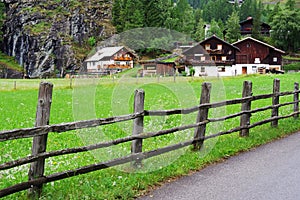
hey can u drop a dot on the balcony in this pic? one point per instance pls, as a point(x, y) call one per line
point(122, 58)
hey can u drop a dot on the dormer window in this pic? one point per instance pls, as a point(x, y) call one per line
point(219, 46)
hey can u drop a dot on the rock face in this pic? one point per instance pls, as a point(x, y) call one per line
point(50, 36)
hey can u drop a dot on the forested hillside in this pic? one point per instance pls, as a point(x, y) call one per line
point(190, 16)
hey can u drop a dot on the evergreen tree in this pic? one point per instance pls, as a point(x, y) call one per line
point(117, 18)
point(233, 28)
point(275, 10)
point(256, 28)
point(286, 28)
point(156, 12)
point(133, 14)
point(183, 15)
point(200, 31)
point(215, 29)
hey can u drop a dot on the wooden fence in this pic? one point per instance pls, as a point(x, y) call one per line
point(40, 132)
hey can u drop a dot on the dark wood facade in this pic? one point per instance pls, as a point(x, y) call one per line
point(253, 51)
point(212, 51)
point(247, 27)
point(154, 67)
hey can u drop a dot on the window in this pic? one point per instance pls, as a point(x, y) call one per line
point(207, 46)
point(213, 58)
point(219, 47)
point(202, 69)
point(275, 59)
point(221, 69)
point(202, 58)
point(223, 58)
point(257, 60)
point(248, 45)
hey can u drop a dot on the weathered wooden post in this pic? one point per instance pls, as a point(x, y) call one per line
point(296, 100)
point(15, 85)
point(275, 101)
point(71, 80)
point(40, 142)
point(246, 106)
point(138, 125)
point(202, 115)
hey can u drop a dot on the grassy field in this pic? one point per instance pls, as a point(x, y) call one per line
point(90, 98)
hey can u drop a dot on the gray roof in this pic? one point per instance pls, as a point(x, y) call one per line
point(104, 53)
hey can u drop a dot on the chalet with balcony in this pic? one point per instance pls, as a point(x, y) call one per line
point(256, 57)
point(110, 59)
point(211, 57)
point(247, 27)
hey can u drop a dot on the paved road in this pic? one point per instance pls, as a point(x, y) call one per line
point(270, 172)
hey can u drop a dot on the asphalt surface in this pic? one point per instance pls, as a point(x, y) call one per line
point(269, 172)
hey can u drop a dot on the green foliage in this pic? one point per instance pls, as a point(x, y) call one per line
point(9, 62)
point(292, 66)
point(92, 41)
point(286, 28)
point(217, 10)
point(215, 29)
point(233, 28)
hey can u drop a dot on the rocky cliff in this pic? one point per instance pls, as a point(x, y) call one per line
point(48, 36)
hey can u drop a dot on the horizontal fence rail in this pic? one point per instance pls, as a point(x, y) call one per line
point(35, 184)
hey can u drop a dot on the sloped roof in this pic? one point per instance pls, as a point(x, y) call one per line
point(250, 19)
point(212, 37)
point(216, 37)
point(258, 41)
point(104, 53)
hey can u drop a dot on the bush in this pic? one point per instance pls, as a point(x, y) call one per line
point(292, 66)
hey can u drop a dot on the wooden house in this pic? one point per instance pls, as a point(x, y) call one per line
point(155, 67)
point(247, 27)
point(211, 57)
point(256, 57)
point(110, 59)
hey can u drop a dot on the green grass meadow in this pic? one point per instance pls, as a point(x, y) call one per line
point(101, 98)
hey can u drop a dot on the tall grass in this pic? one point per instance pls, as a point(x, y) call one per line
point(104, 98)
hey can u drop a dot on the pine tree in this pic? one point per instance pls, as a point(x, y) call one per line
point(133, 14)
point(156, 12)
point(200, 31)
point(117, 18)
point(233, 28)
point(256, 28)
point(215, 29)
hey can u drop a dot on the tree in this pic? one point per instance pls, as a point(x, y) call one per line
point(183, 17)
point(156, 12)
point(215, 29)
point(286, 28)
point(200, 31)
point(233, 28)
point(117, 19)
point(256, 29)
point(133, 14)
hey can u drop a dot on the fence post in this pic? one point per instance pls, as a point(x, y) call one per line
point(246, 106)
point(138, 125)
point(40, 142)
point(296, 99)
point(275, 101)
point(202, 115)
